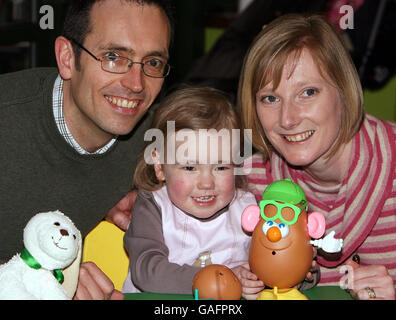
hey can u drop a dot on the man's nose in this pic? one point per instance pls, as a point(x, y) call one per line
point(134, 78)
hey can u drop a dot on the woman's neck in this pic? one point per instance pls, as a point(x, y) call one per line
point(332, 171)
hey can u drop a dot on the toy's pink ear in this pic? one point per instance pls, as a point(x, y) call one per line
point(316, 224)
point(250, 217)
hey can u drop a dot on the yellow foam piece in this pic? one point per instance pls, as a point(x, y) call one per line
point(104, 246)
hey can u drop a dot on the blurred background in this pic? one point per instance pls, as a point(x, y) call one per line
point(212, 37)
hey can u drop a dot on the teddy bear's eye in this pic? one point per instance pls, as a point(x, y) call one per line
point(57, 224)
point(74, 236)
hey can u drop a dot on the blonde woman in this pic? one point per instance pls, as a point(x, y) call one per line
point(300, 94)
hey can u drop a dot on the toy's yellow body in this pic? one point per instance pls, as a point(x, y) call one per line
point(281, 294)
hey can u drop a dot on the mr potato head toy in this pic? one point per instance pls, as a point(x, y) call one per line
point(281, 250)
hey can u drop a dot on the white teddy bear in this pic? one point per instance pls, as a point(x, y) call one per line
point(51, 243)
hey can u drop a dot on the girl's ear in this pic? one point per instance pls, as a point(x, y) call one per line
point(159, 172)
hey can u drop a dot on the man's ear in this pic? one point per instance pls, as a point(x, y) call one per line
point(64, 57)
point(159, 172)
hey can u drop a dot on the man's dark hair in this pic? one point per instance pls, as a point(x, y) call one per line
point(77, 24)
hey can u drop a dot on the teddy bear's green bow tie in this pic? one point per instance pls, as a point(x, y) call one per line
point(33, 263)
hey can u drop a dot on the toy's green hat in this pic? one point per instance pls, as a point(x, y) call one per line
point(285, 191)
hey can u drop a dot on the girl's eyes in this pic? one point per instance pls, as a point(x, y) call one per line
point(222, 168)
point(192, 168)
point(188, 168)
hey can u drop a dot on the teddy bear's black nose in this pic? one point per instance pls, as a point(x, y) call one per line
point(64, 232)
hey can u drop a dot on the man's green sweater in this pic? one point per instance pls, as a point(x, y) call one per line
point(40, 171)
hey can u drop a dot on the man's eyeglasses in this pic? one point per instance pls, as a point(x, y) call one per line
point(152, 67)
point(286, 212)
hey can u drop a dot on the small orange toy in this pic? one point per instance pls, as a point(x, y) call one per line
point(217, 282)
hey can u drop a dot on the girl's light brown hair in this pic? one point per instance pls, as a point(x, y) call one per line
point(286, 37)
point(191, 108)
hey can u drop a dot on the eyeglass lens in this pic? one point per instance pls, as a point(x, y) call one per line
point(151, 67)
point(273, 209)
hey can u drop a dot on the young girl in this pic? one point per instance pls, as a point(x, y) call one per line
point(188, 210)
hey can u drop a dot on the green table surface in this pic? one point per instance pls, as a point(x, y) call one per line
point(316, 293)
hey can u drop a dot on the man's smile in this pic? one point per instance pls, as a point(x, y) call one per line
point(122, 102)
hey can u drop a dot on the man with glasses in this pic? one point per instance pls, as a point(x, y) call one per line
point(70, 137)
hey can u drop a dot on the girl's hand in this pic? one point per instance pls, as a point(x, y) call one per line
point(314, 268)
point(121, 213)
point(370, 282)
point(312, 276)
point(251, 285)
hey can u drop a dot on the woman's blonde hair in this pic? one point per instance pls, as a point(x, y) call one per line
point(286, 37)
point(190, 108)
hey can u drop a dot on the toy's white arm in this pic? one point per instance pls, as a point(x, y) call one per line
point(328, 243)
